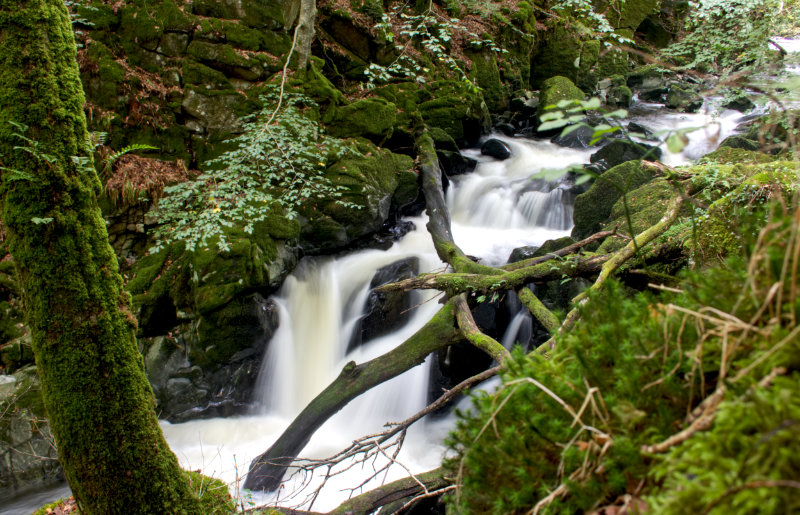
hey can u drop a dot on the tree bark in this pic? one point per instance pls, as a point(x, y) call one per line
point(305, 32)
point(401, 490)
point(99, 403)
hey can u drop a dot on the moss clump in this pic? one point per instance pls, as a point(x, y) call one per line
point(556, 89)
point(733, 155)
point(593, 207)
point(741, 142)
point(486, 75)
point(646, 206)
point(215, 499)
point(372, 118)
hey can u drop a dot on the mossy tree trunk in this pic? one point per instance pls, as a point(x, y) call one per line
point(100, 405)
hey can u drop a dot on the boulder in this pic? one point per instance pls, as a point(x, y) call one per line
point(579, 138)
point(385, 312)
point(740, 102)
point(683, 98)
point(620, 151)
point(619, 96)
point(556, 89)
point(454, 163)
point(740, 142)
point(495, 148)
point(593, 207)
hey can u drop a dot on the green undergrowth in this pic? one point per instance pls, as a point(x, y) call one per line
point(570, 433)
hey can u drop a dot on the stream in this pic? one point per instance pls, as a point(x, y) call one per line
point(498, 207)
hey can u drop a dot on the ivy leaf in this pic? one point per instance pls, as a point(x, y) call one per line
point(676, 142)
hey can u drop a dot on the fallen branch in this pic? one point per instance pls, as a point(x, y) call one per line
point(473, 334)
point(266, 471)
point(400, 490)
point(566, 251)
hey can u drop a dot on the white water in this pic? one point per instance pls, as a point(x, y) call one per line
point(494, 210)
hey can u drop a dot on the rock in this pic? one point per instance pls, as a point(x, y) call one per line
point(619, 96)
point(521, 254)
point(385, 312)
point(740, 142)
point(579, 138)
point(741, 103)
point(641, 130)
point(593, 208)
point(454, 163)
point(28, 458)
point(647, 77)
point(556, 89)
point(209, 367)
point(620, 151)
point(372, 118)
point(505, 128)
point(496, 149)
point(653, 94)
point(683, 98)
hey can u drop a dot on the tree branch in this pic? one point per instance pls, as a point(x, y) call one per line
point(472, 333)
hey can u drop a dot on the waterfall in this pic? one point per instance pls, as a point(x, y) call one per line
point(495, 209)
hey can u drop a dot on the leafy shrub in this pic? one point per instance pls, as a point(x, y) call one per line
point(588, 427)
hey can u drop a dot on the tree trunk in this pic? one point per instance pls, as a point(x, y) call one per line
point(99, 403)
point(305, 32)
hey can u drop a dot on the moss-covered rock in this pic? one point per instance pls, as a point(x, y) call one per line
point(270, 14)
point(372, 118)
point(593, 208)
point(629, 14)
point(683, 98)
point(486, 75)
point(732, 155)
point(556, 89)
point(455, 108)
point(740, 142)
point(372, 178)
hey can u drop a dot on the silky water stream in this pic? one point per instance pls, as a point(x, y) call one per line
point(498, 207)
point(494, 210)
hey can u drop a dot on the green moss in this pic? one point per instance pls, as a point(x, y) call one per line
point(646, 206)
point(194, 72)
point(486, 75)
point(372, 118)
point(732, 155)
point(252, 13)
point(630, 13)
point(556, 89)
point(213, 494)
point(593, 207)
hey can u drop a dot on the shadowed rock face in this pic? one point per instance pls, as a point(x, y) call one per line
point(385, 312)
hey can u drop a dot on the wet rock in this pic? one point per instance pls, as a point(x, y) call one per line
point(619, 96)
point(208, 367)
point(739, 103)
point(496, 149)
point(385, 311)
point(454, 163)
point(641, 130)
point(653, 94)
point(621, 151)
point(593, 208)
point(505, 128)
point(579, 138)
point(683, 98)
point(522, 253)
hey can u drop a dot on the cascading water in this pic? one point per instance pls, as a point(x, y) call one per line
point(494, 210)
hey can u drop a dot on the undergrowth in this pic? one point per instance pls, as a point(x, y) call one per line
point(675, 400)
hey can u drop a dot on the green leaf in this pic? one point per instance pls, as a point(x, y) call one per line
point(676, 142)
point(592, 103)
point(552, 115)
point(553, 124)
point(40, 221)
